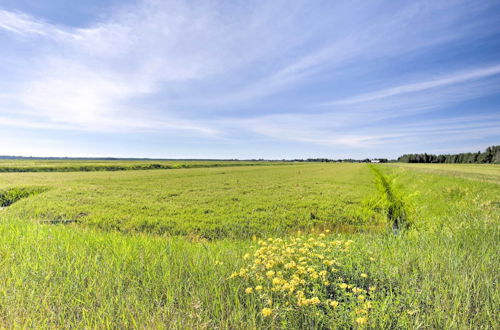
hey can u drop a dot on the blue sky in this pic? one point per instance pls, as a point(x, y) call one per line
point(248, 79)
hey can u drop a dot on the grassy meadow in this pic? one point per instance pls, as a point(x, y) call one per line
point(299, 246)
point(56, 165)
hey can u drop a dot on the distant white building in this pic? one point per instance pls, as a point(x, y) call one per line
point(375, 161)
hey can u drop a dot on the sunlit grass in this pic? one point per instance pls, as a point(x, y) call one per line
point(212, 203)
point(440, 273)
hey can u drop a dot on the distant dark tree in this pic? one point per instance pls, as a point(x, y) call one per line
point(496, 157)
point(491, 155)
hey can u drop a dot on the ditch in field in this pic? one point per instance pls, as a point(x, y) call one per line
point(12, 195)
point(392, 201)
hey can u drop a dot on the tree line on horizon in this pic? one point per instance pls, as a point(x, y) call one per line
point(347, 160)
point(490, 156)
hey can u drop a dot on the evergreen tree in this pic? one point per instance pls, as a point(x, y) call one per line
point(491, 155)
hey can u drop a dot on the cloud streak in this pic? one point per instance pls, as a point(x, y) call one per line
point(421, 86)
point(26, 25)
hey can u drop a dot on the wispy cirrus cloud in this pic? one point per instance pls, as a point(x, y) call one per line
point(457, 78)
point(24, 24)
point(328, 130)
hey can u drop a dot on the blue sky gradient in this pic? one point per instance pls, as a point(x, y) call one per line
point(248, 79)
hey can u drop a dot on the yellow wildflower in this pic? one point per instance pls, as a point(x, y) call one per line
point(277, 281)
point(364, 275)
point(334, 303)
point(361, 320)
point(267, 311)
point(249, 290)
point(314, 301)
point(243, 272)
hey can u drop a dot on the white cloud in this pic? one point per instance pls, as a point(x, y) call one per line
point(86, 77)
point(421, 86)
point(25, 25)
point(331, 129)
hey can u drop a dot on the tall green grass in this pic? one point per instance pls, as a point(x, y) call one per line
point(54, 276)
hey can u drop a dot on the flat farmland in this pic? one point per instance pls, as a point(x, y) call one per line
point(212, 203)
point(309, 245)
point(490, 173)
point(55, 165)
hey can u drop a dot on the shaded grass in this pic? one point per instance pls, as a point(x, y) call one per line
point(392, 201)
point(12, 195)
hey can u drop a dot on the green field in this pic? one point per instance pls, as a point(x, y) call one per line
point(189, 248)
point(25, 165)
point(479, 172)
point(213, 203)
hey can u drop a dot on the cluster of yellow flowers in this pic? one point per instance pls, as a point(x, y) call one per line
point(304, 272)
